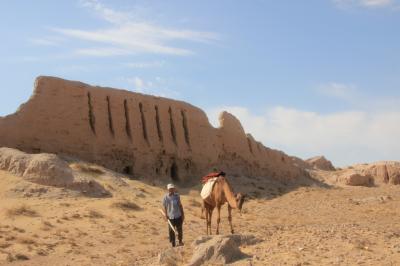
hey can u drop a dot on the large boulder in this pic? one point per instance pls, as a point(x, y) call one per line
point(321, 163)
point(355, 179)
point(220, 249)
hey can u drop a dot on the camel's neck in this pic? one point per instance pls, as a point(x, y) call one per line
point(230, 197)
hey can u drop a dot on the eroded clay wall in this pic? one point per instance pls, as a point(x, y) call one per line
point(137, 134)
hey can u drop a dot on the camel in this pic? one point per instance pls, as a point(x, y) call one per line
point(221, 193)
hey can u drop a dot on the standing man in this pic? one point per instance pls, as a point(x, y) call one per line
point(173, 210)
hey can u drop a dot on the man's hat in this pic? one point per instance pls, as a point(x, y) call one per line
point(170, 186)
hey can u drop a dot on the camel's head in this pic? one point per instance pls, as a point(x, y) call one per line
point(240, 200)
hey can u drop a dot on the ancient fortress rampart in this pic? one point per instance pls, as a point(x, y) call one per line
point(137, 134)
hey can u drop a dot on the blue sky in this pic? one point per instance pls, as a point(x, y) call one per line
point(306, 77)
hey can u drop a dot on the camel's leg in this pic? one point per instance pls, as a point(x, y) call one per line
point(209, 221)
point(230, 218)
point(206, 221)
point(202, 212)
point(218, 219)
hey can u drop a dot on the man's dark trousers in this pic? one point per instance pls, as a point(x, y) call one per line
point(177, 223)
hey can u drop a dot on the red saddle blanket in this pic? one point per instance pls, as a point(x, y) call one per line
point(204, 179)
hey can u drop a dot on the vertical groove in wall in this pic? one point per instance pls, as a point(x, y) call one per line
point(127, 121)
point(258, 147)
point(250, 147)
point(159, 131)
point(171, 122)
point(185, 127)
point(110, 120)
point(91, 114)
point(143, 122)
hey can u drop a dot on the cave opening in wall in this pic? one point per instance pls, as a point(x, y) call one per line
point(174, 172)
point(128, 170)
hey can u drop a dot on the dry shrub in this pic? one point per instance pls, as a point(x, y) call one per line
point(87, 168)
point(42, 252)
point(143, 190)
point(127, 205)
point(23, 210)
point(20, 256)
point(95, 214)
point(76, 216)
point(19, 230)
point(4, 245)
point(46, 226)
point(26, 241)
point(194, 203)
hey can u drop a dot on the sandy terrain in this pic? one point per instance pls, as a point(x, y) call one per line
point(297, 225)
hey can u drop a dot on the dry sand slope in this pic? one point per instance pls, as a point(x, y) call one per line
point(297, 225)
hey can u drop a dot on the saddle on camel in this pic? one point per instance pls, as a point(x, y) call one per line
point(216, 192)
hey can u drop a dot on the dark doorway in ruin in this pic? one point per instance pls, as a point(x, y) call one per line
point(128, 170)
point(174, 172)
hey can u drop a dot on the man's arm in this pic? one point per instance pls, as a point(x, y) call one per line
point(165, 211)
point(165, 207)
point(181, 207)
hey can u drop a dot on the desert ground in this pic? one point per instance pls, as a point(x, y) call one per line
point(302, 223)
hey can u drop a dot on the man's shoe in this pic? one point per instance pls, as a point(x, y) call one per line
point(181, 244)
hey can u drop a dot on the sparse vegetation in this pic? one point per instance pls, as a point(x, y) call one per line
point(46, 226)
point(4, 245)
point(20, 256)
point(95, 214)
point(27, 241)
point(194, 203)
point(87, 168)
point(127, 205)
point(23, 210)
point(42, 252)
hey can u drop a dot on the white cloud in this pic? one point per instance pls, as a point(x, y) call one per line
point(351, 94)
point(44, 41)
point(156, 86)
point(365, 3)
point(344, 137)
point(338, 90)
point(152, 64)
point(127, 36)
point(138, 83)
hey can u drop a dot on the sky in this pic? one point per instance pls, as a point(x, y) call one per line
point(315, 77)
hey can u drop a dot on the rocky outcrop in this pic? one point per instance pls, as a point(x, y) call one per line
point(44, 169)
point(321, 163)
point(379, 173)
point(48, 170)
point(357, 180)
point(383, 172)
point(140, 135)
point(220, 249)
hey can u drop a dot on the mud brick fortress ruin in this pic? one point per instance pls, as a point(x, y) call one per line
point(136, 134)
